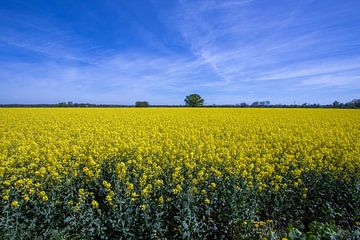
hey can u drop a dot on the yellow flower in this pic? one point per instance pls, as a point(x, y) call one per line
point(161, 200)
point(109, 197)
point(146, 191)
point(14, 204)
point(130, 187)
point(81, 192)
point(159, 183)
point(134, 196)
point(43, 196)
point(94, 204)
point(177, 189)
point(26, 198)
point(88, 172)
point(106, 185)
point(121, 170)
point(156, 153)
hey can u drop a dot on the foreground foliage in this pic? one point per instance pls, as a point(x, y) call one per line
point(179, 173)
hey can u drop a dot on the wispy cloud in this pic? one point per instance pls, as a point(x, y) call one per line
point(312, 69)
point(337, 80)
point(229, 51)
point(245, 45)
point(117, 78)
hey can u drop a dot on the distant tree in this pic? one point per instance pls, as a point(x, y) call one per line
point(62, 104)
point(355, 103)
point(255, 104)
point(267, 103)
point(336, 104)
point(141, 104)
point(243, 104)
point(194, 100)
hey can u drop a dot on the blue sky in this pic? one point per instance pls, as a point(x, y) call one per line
point(103, 51)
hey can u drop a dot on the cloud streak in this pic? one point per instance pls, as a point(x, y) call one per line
point(229, 51)
point(247, 46)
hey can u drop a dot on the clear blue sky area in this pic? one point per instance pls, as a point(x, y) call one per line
point(109, 51)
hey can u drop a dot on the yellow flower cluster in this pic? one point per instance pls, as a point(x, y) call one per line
point(158, 148)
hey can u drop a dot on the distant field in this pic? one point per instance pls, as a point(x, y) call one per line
point(182, 173)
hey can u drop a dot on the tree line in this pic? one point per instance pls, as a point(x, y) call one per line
point(195, 100)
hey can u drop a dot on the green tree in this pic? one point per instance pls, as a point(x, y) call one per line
point(336, 104)
point(194, 100)
point(141, 104)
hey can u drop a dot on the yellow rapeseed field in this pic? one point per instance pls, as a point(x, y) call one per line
point(185, 172)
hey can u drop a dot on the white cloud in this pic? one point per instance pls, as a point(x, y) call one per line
point(311, 68)
point(120, 77)
point(228, 48)
point(332, 80)
point(244, 45)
